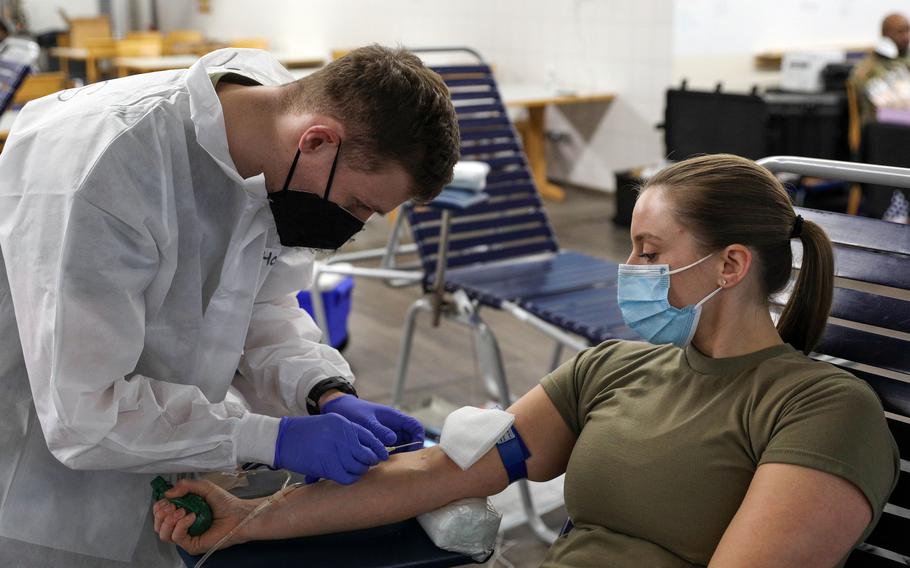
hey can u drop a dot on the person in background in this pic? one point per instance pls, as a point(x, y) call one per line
point(154, 232)
point(715, 441)
point(882, 79)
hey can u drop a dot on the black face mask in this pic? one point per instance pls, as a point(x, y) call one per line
point(306, 220)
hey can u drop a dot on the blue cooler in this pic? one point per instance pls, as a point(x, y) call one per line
point(337, 293)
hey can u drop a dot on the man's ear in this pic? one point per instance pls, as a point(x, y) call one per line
point(318, 136)
point(737, 263)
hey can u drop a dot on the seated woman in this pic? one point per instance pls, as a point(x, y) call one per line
point(718, 442)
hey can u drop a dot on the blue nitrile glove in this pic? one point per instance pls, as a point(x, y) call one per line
point(328, 445)
point(392, 427)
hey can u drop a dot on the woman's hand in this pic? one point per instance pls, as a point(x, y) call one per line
point(171, 523)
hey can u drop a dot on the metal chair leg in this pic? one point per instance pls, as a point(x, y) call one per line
point(490, 362)
point(557, 356)
point(490, 358)
point(318, 306)
point(543, 532)
point(388, 259)
point(404, 356)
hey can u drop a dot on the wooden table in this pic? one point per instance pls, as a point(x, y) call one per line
point(131, 65)
point(536, 98)
point(66, 54)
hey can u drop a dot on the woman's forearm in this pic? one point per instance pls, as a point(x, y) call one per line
point(407, 485)
point(413, 483)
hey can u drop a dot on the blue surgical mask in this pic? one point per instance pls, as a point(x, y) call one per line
point(642, 294)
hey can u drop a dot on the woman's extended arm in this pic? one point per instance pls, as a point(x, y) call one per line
point(407, 485)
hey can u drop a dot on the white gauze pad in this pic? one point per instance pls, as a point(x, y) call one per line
point(469, 433)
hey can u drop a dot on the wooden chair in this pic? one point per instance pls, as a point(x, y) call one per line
point(854, 134)
point(868, 334)
point(138, 47)
point(147, 35)
point(250, 42)
point(99, 50)
point(38, 85)
point(182, 42)
point(83, 29)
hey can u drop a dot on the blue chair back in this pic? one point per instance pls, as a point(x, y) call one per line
point(867, 335)
point(513, 222)
point(11, 77)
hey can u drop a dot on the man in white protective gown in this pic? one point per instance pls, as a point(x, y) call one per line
point(154, 231)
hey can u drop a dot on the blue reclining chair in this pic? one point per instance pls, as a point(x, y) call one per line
point(503, 253)
point(12, 75)
point(868, 333)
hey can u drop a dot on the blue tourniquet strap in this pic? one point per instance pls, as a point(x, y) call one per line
point(514, 453)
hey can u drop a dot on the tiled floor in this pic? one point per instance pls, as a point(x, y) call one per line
point(442, 362)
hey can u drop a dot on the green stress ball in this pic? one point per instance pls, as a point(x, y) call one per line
point(191, 502)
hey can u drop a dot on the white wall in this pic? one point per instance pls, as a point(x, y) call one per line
point(715, 40)
point(723, 27)
point(622, 46)
point(42, 14)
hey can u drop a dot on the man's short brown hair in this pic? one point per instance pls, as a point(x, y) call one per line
point(393, 108)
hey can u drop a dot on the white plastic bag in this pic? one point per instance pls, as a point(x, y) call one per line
point(467, 526)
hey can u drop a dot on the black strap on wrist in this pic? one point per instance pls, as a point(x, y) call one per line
point(324, 386)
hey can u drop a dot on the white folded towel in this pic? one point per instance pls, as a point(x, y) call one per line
point(471, 176)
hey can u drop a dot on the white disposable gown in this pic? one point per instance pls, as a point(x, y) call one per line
point(141, 276)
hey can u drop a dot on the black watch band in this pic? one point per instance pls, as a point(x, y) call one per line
point(324, 386)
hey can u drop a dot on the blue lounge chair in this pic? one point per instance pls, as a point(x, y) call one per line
point(870, 326)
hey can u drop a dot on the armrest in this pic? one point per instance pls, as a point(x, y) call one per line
point(451, 199)
point(454, 199)
point(399, 545)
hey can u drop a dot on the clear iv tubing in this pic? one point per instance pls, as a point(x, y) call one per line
point(286, 488)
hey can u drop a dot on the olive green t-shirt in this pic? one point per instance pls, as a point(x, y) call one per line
point(669, 439)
